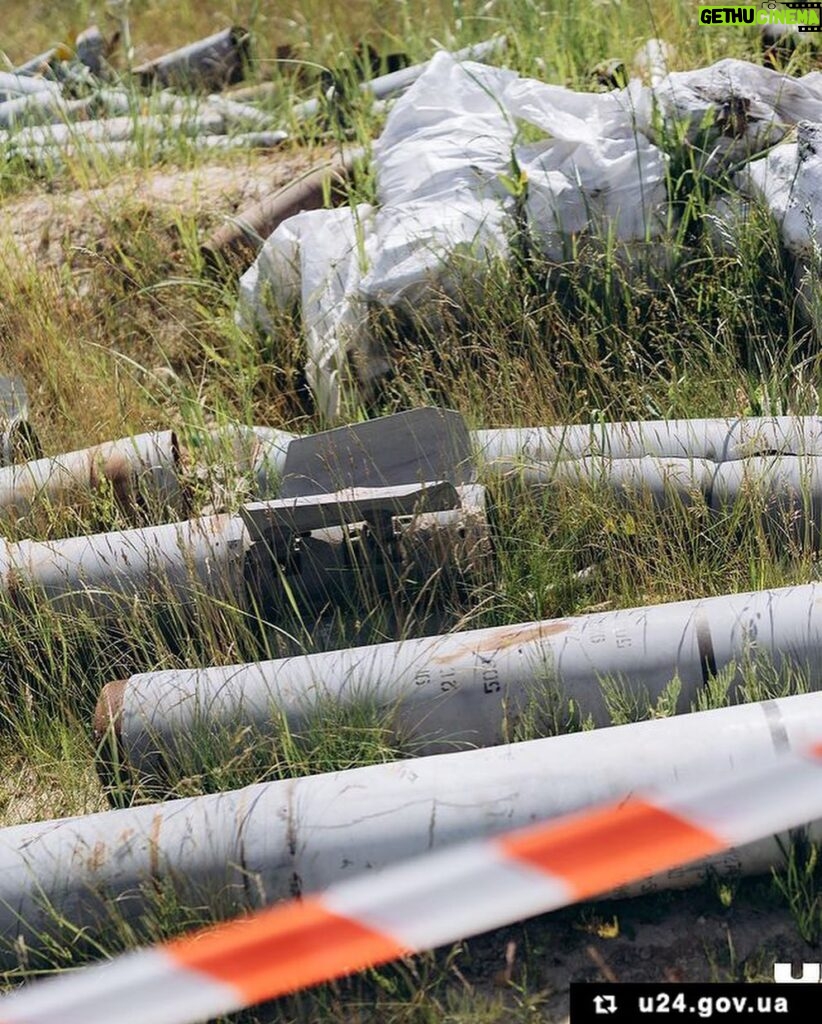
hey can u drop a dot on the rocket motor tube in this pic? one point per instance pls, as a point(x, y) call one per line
point(142, 471)
point(270, 841)
point(471, 688)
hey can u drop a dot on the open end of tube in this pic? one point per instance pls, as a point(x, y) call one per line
point(107, 728)
point(23, 442)
point(178, 464)
point(108, 714)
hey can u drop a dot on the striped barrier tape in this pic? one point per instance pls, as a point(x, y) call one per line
point(425, 902)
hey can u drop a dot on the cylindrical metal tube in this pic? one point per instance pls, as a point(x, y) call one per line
point(37, 108)
point(473, 688)
point(142, 471)
point(778, 461)
point(117, 129)
point(105, 573)
point(270, 841)
point(241, 114)
point(124, 149)
point(42, 63)
point(535, 452)
point(209, 64)
point(247, 231)
point(12, 85)
point(267, 459)
point(719, 440)
point(234, 453)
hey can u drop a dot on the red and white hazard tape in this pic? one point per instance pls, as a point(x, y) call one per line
point(425, 902)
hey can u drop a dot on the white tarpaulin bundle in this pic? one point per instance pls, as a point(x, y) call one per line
point(730, 111)
point(445, 165)
point(471, 154)
point(789, 181)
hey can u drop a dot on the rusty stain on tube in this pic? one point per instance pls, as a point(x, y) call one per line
point(108, 712)
point(504, 637)
point(143, 472)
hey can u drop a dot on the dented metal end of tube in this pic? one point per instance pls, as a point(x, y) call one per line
point(108, 713)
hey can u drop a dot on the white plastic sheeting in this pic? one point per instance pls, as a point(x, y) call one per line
point(464, 150)
point(315, 259)
point(470, 153)
point(789, 181)
point(730, 111)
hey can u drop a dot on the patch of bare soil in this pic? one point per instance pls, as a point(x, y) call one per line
point(52, 226)
point(671, 937)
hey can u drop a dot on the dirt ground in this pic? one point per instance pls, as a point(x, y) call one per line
point(55, 227)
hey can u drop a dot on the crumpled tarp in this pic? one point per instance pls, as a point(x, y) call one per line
point(472, 153)
point(730, 111)
point(789, 182)
point(447, 185)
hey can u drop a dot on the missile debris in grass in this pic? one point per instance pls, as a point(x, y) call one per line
point(207, 65)
point(475, 688)
point(142, 471)
point(245, 233)
point(15, 84)
point(126, 149)
point(18, 439)
point(360, 513)
point(356, 544)
point(718, 440)
point(269, 841)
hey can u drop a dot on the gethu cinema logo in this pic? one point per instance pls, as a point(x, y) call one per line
point(768, 13)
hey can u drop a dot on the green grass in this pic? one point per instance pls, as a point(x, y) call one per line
point(126, 332)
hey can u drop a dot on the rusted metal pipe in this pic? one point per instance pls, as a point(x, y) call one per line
point(208, 65)
point(271, 841)
point(142, 472)
point(245, 233)
point(473, 688)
